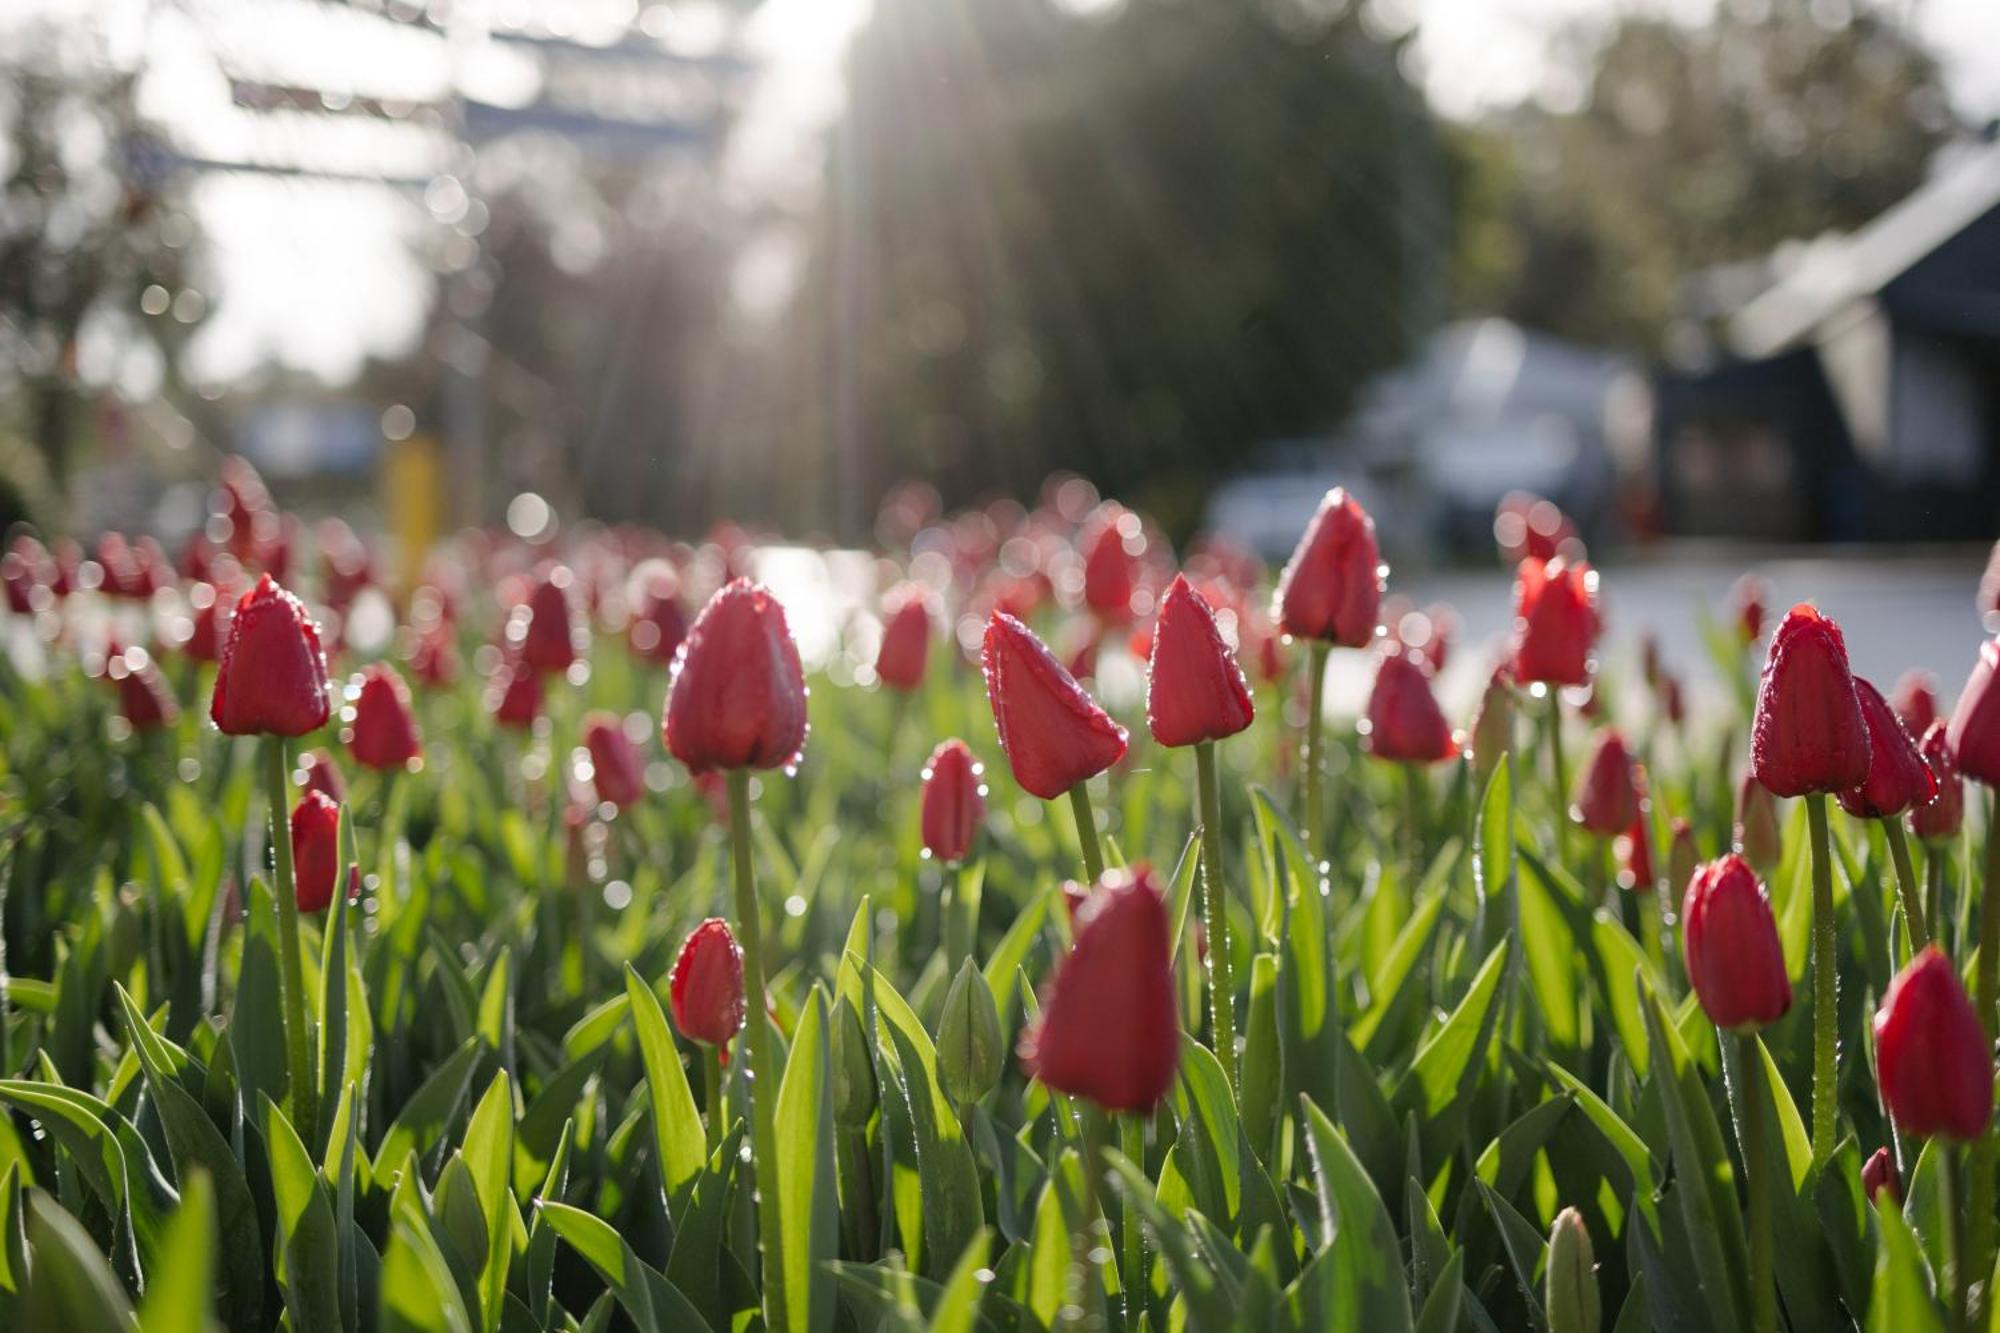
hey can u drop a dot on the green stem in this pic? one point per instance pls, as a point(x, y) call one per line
point(1979, 1188)
point(763, 1108)
point(1757, 1166)
point(391, 834)
point(1906, 883)
point(1085, 1254)
point(1559, 773)
point(1132, 1275)
point(1934, 888)
point(1215, 908)
point(298, 1046)
point(957, 939)
point(1315, 739)
point(1957, 1225)
point(1086, 832)
point(711, 1088)
point(1413, 821)
point(1826, 985)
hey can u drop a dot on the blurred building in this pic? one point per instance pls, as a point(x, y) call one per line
point(1848, 389)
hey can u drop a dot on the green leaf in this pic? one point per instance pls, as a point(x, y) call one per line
point(421, 1124)
point(1209, 1305)
point(177, 1296)
point(70, 1286)
point(418, 1292)
point(957, 1309)
point(488, 1154)
point(677, 1130)
point(1441, 1078)
point(808, 1205)
point(1902, 1300)
point(652, 1302)
point(308, 1253)
point(1361, 1282)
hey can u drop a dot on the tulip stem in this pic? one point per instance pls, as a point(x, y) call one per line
point(1978, 1231)
point(1215, 907)
point(1315, 739)
point(1559, 774)
point(1086, 832)
point(1757, 1167)
point(1906, 884)
point(1413, 819)
point(763, 1110)
point(1934, 887)
point(390, 834)
point(1958, 1253)
point(298, 1047)
point(711, 1088)
point(1826, 985)
point(1132, 1143)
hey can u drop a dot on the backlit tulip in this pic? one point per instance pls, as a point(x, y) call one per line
point(1682, 853)
point(318, 772)
point(1729, 941)
point(548, 627)
point(617, 771)
point(1493, 725)
point(514, 694)
point(144, 700)
point(1757, 832)
point(1054, 734)
point(1606, 800)
point(659, 621)
point(1109, 1030)
point(738, 695)
point(383, 734)
point(1751, 597)
point(1195, 691)
point(1404, 722)
point(1931, 1055)
point(1556, 622)
point(1941, 820)
point(272, 678)
point(1110, 569)
point(906, 638)
point(706, 988)
point(1915, 700)
point(1898, 778)
point(1808, 735)
point(1974, 733)
point(1331, 588)
point(954, 801)
point(208, 610)
point(315, 850)
point(1878, 1174)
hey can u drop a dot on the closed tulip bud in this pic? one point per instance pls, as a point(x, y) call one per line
point(738, 697)
point(616, 770)
point(1331, 588)
point(547, 628)
point(1682, 854)
point(1404, 722)
point(1570, 1291)
point(1757, 832)
point(1974, 733)
point(1898, 778)
point(315, 850)
point(1109, 1030)
point(208, 611)
point(1878, 1175)
point(970, 1047)
point(1751, 597)
point(1110, 571)
point(906, 638)
point(1634, 846)
point(1493, 724)
point(1054, 735)
point(1931, 1054)
point(144, 700)
point(1808, 734)
point(1915, 700)
point(1194, 689)
point(272, 680)
point(383, 734)
point(854, 1091)
point(1941, 820)
point(954, 801)
point(1556, 622)
point(1607, 800)
point(318, 772)
point(1729, 941)
point(514, 694)
point(706, 987)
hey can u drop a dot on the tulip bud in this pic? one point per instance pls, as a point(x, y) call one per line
point(1808, 734)
point(1331, 588)
point(1974, 734)
point(1110, 571)
point(906, 638)
point(1109, 1030)
point(514, 695)
point(1493, 724)
point(1194, 689)
point(738, 696)
point(1757, 832)
point(1878, 1174)
point(546, 628)
point(315, 850)
point(209, 611)
point(1571, 1288)
point(1915, 700)
point(272, 679)
point(1606, 800)
point(144, 700)
point(1729, 941)
point(1751, 596)
point(1054, 735)
point(1556, 622)
point(1682, 855)
point(1932, 1056)
point(1634, 846)
point(854, 1092)
point(383, 734)
point(616, 770)
point(954, 801)
point(1898, 778)
point(970, 1047)
point(1404, 722)
point(706, 986)
point(1941, 820)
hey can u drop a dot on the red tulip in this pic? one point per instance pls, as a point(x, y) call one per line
point(1931, 1054)
point(660, 621)
point(617, 771)
point(318, 773)
point(1110, 571)
point(1634, 846)
point(1607, 800)
point(20, 574)
point(433, 653)
point(1331, 588)
point(1404, 722)
point(1109, 1030)
point(1974, 733)
point(1941, 820)
point(1878, 1174)
point(143, 697)
point(315, 850)
point(1054, 735)
point(514, 694)
point(1751, 597)
point(1556, 622)
point(547, 631)
point(383, 734)
point(954, 801)
point(1194, 690)
point(738, 695)
point(272, 679)
point(1898, 777)
point(209, 609)
point(1915, 700)
point(706, 988)
point(906, 638)
point(1809, 734)
point(1729, 940)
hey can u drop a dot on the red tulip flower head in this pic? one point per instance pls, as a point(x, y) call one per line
point(1331, 588)
point(1556, 622)
point(1054, 735)
point(906, 638)
point(315, 850)
point(1915, 700)
point(1729, 940)
point(1109, 1029)
point(144, 700)
point(738, 696)
point(514, 694)
point(383, 734)
point(706, 988)
point(1898, 777)
point(1941, 820)
point(1931, 1054)
point(208, 610)
point(617, 771)
point(1974, 733)
point(1809, 734)
point(433, 654)
point(317, 772)
point(1110, 570)
point(1607, 799)
point(1195, 691)
point(1404, 722)
point(1752, 598)
point(954, 801)
point(548, 628)
point(1878, 1173)
point(272, 678)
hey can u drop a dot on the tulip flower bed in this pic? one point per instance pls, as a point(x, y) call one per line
point(588, 960)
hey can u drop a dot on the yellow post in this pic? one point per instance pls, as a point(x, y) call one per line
point(413, 499)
